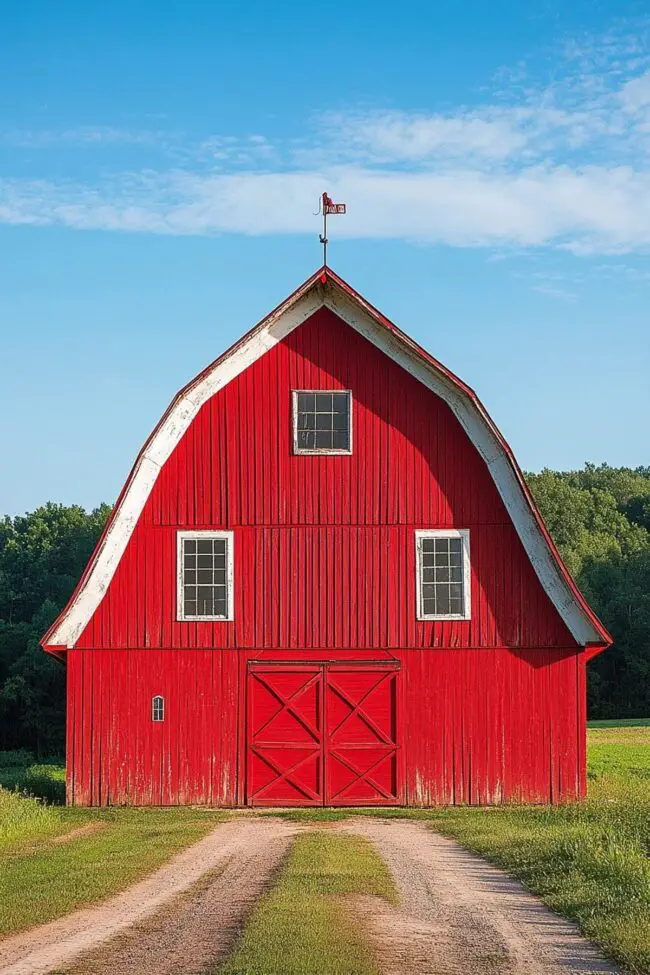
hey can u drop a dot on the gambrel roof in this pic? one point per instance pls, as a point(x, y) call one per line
point(325, 288)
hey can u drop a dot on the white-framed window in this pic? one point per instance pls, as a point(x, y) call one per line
point(443, 574)
point(205, 575)
point(158, 708)
point(322, 421)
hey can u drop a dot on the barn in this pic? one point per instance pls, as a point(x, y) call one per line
point(325, 583)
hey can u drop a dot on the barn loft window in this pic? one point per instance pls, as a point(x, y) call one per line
point(205, 579)
point(443, 574)
point(158, 708)
point(322, 421)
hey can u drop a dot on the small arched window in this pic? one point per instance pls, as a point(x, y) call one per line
point(158, 708)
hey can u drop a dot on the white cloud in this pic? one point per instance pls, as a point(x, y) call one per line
point(598, 209)
point(82, 136)
point(561, 165)
point(399, 136)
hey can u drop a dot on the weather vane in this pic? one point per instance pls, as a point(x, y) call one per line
point(327, 207)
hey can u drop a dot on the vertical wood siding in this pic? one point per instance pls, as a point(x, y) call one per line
point(478, 726)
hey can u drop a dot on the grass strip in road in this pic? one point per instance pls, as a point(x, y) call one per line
point(301, 927)
point(46, 882)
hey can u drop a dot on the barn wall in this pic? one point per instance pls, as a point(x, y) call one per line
point(477, 726)
point(324, 546)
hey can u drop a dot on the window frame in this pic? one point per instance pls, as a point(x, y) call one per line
point(321, 451)
point(201, 535)
point(154, 703)
point(463, 534)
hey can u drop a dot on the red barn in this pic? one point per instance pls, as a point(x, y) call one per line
point(325, 582)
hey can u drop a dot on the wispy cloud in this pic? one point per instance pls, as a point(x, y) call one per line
point(99, 135)
point(562, 164)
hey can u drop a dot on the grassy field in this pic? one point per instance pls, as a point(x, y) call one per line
point(301, 927)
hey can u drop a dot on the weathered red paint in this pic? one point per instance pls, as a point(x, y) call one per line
point(482, 711)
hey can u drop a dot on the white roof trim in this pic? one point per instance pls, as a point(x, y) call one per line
point(272, 330)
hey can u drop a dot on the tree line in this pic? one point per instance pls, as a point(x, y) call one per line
point(599, 518)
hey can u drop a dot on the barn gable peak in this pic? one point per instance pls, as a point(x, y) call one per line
point(325, 288)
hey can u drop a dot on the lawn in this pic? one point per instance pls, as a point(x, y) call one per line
point(302, 927)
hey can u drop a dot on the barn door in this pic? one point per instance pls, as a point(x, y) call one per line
point(361, 735)
point(322, 734)
point(285, 735)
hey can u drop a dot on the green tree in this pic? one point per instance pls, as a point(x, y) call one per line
point(42, 556)
point(599, 518)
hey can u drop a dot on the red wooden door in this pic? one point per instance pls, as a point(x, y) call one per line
point(285, 735)
point(361, 748)
point(322, 734)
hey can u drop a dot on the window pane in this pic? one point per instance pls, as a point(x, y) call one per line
point(220, 607)
point(323, 440)
point(305, 440)
point(324, 402)
point(189, 607)
point(204, 577)
point(340, 421)
point(455, 545)
point(340, 403)
point(306, 402)
point(204, 601)
point(323, 421)
point(189, 545)
point(189, 576)
point(340, 440)
point(442, 599)
point(204, 547)
point(429, 607)
point(427, 544)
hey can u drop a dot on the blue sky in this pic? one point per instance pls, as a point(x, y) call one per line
point(159, 165)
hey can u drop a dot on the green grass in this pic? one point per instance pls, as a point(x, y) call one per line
point(41, 880)
point(25, 820)
point(621, 723)
point(619, 750)
point(302, 927)
point(45, 780)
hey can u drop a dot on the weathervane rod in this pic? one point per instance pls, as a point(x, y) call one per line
point(326, 206)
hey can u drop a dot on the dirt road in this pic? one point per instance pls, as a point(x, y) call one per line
point(236, 861)
point(458, 915)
